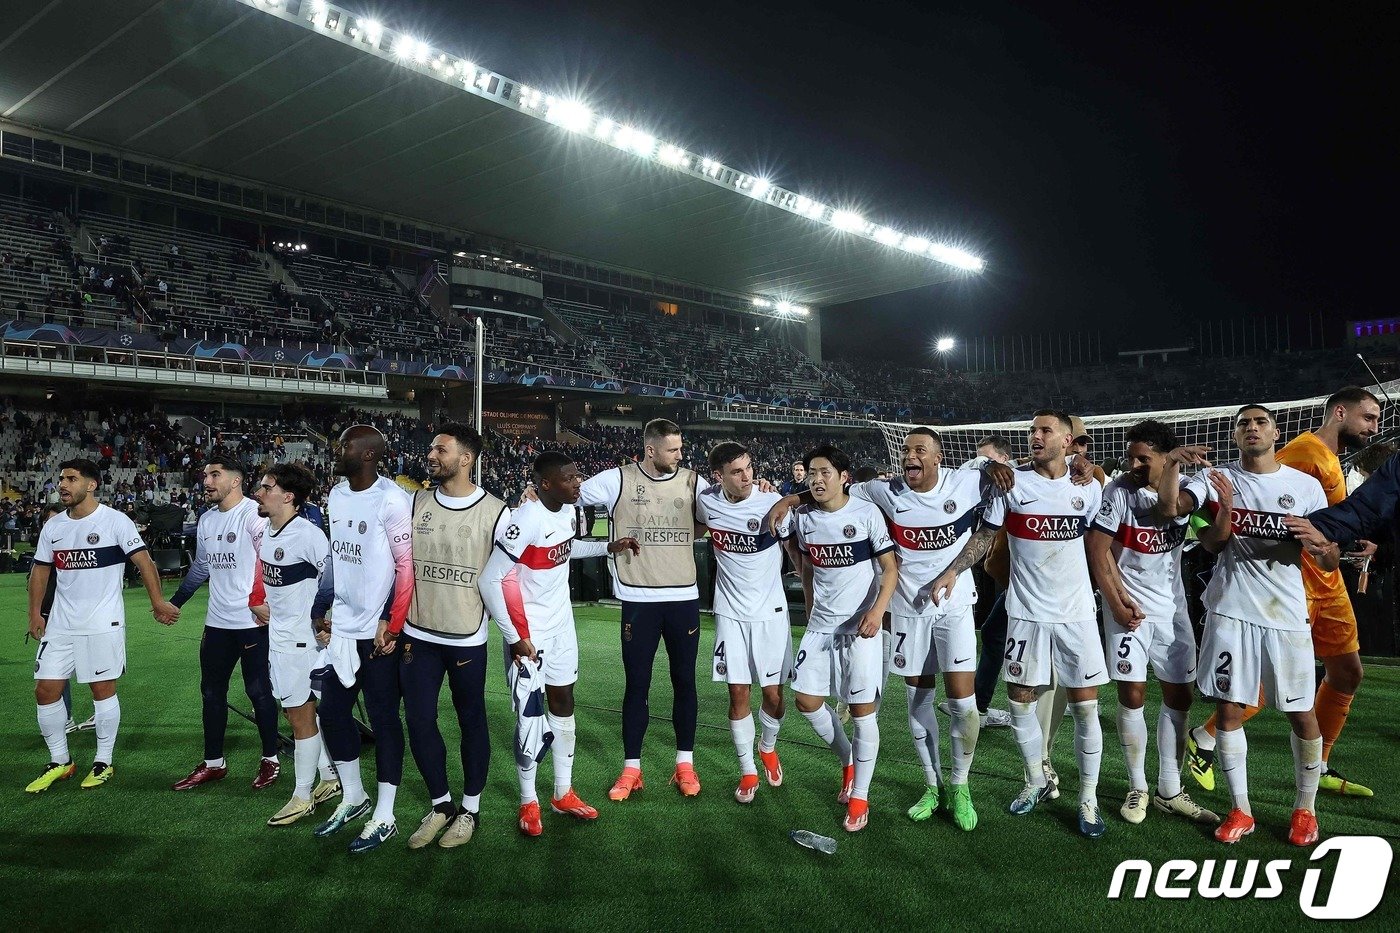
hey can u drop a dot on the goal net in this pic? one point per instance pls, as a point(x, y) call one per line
point(1210, 426)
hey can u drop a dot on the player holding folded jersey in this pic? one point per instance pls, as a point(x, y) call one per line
point(1256, 629)
point(87, 547)
point(1050, 608)
point(235, 622)
point(525, 586)
point(373, 575)
point(296, 574)
point(1136, 560)
point(840, 541)
point(753, 636)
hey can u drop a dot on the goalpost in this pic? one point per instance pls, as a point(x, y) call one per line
point(1210, 426)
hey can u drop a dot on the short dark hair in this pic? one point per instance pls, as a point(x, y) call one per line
point(295, 479)
point(866, 473)
point(549, 461)
point(1264, 408)
point(803, 463)
point(1349, 396)
point(86, 468)
point(1370, 459)
point(657, 428)
point(725, 453)
point(998, 443)
point(228, 465)
point(1060, 416)
point(464, 434)
point(831, 454)
point(1155, 434)
point(927, 432)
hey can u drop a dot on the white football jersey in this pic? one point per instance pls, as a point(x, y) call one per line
point(294, 559)
point(88, 557)
point(1259, 575)
point(1045, 521)
point(843, 547)
point(930, 529)
point(749, 583)
point(1148, 548)
point(370, 532)
point(540, 542)
point(226, 554)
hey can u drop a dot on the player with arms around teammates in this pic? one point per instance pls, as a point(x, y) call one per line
point(840, 541)
point(235, 622)
point(296, 573)
point(1050, 608)
point(525, 585)
point(1256, 628)
point(1135, 554)
point(87, 546)
point(753, 635)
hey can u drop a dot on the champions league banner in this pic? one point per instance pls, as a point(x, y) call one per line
point(311, 356)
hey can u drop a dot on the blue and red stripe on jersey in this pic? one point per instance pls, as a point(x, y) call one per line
point(1045, 527)
point(934, 538)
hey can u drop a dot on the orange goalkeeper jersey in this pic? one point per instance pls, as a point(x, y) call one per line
point(1305, 452)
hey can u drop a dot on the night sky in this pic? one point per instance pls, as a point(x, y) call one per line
point(1120, 168)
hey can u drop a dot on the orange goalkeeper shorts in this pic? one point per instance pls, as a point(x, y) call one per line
point(1333, 627)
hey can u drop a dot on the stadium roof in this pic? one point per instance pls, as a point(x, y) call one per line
point(304, 95)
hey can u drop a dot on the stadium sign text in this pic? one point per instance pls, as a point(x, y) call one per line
point(1358, 881)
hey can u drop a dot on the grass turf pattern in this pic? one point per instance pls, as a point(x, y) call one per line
point(134, 853)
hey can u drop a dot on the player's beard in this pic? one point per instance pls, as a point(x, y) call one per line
point(1352, 441)
point(442, 473)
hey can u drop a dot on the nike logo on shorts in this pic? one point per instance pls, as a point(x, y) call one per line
point(771, 674)
point(855, 693)
point(962, 660)
point(1093, 675)
point(692, 631)
point(101, 672)
point(253, 645)
point(467, 661)
point(1293, 699)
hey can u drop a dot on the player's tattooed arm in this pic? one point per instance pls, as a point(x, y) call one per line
point(975, 549)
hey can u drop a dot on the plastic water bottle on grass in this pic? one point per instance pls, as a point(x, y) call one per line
point(810, 840)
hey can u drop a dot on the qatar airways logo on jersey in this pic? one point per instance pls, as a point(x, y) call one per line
point(1254, 524)
point(347, 551)
point(272, 575)
point(838, 555)
point(545, 558)
point(1152, 540)
point(1045, 527)
point(737, 542)
point(223, 560)
point(77, 560)
point(927, 539)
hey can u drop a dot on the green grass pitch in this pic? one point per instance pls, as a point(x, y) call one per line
point(134, 854)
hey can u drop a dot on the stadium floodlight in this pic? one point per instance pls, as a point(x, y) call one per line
point(945, 344)
point(849, 221)
point(570, 114)
point(799, 309)
point(783, 307)
point(956, 257)
point(326, 16)
point(672, 155)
